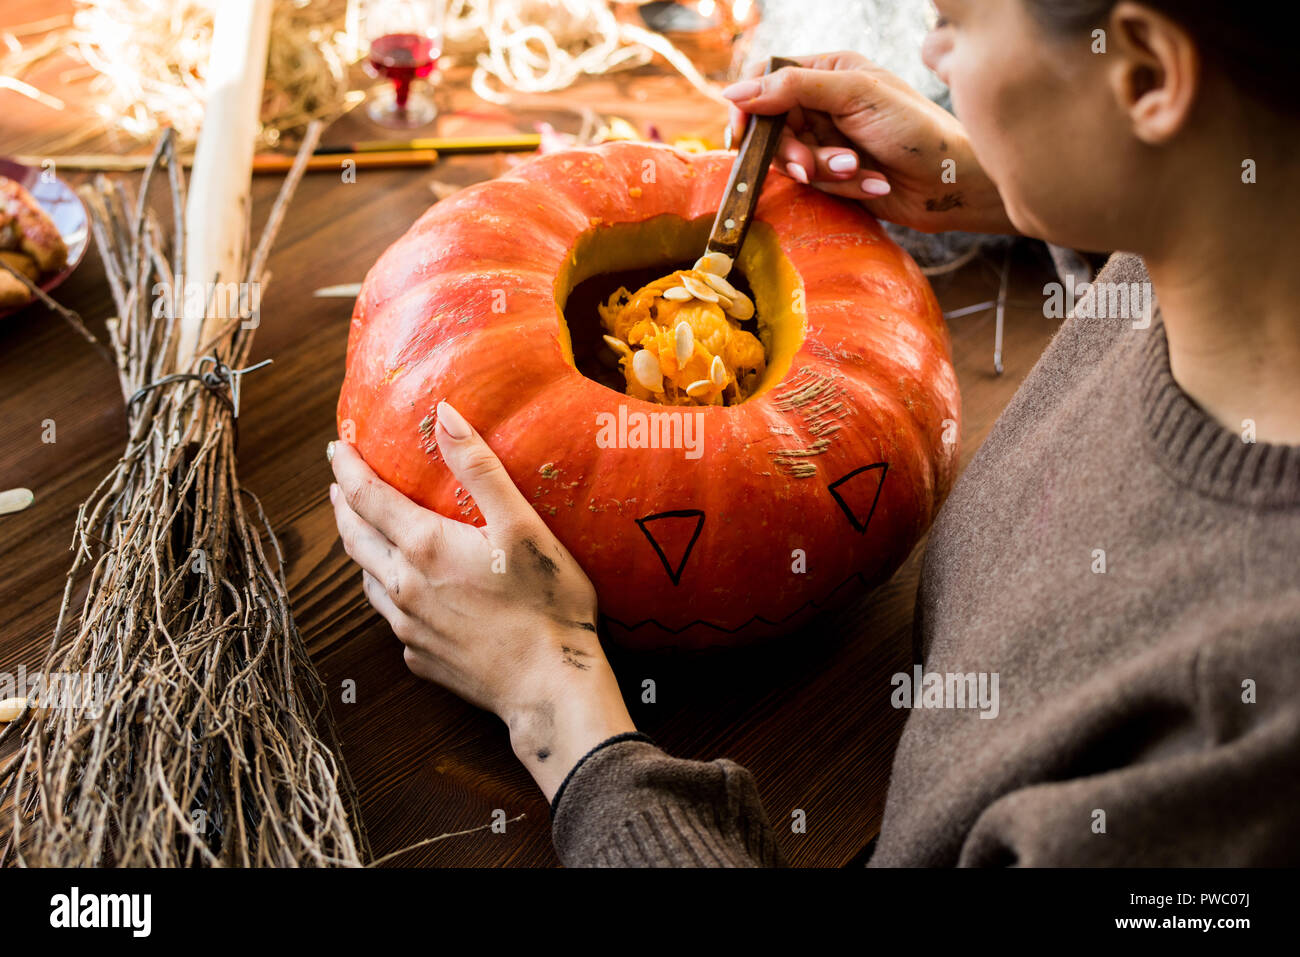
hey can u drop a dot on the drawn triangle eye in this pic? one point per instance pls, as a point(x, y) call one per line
point(858, 492)
point(673, 536)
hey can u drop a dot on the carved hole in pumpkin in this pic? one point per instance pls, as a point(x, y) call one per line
point(633, 254)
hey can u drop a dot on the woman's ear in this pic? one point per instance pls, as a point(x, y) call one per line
point(1156, 71)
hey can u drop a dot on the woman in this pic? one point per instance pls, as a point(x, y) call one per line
point(1124, 549)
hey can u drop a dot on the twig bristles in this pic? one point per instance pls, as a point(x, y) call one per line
point(208, 740)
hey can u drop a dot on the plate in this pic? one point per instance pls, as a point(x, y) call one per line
point(61, 204)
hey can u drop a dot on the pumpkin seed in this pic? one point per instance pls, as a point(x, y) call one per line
point(645, 366)
point(720, 285)
point(718, 372)
point(699, 290)
point(677, 293)
point(15, 500)
point(742, 307)
point(685, 342)
point(698, 388)
point(714, 262)
point(618, 345)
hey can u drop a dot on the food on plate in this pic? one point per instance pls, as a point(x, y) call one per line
point(29, 243)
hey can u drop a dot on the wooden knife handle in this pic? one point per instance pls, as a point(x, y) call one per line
point(757, 148)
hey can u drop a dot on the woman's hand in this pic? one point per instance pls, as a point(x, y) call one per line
point(860, 132)
point(501, 615)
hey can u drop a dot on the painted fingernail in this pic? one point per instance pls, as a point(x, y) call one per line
point(797, 172)
point(334, 491)
point(842, 162)
point(875, 187)
point(329, 452)
point(452, 422)
point(742, 90)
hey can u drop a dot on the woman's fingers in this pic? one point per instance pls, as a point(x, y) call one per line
point(390, 579)
point(380, 505)
point(365, 544)
point(736, 118)
point(839, 170)
point(835, 164)
point(796, 157)
point(420, 662)
point(383, 603)
point(865, 185)
point(839, 60)
point(393, 539)
point(735, 124)
point(480, 471)
point(835, 92)
point(739, 120)
point(806, 158)
point(812, 147)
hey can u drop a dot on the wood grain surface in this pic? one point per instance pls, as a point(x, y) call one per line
point(808, 715)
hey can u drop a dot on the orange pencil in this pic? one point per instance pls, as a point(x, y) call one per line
point(280, 162)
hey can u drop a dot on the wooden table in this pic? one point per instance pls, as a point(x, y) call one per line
point(810, 717)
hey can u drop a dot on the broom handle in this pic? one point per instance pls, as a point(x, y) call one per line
point(216, 214)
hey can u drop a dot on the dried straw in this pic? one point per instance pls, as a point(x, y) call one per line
point(536, 46)
point(213, 744)
point(146, 64)
point(145, 60)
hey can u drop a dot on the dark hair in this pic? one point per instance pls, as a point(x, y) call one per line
point(1245, 40)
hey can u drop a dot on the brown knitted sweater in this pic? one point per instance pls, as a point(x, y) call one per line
point(1130, 571)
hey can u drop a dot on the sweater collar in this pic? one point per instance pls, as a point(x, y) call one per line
point(1201, 453)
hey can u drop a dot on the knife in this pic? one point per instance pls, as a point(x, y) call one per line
point(739, 199)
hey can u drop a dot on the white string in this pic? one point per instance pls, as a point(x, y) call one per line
point(539, 46)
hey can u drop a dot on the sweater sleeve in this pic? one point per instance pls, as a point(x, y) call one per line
point(628, 804)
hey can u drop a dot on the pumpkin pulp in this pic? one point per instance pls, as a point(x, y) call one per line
point(689, 346)
point(646, 322)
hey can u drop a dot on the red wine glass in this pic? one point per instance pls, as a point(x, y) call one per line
point(405, 41)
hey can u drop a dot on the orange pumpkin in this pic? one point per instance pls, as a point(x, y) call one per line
point(727, 523)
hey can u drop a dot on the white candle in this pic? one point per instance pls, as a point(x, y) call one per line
point(217, 207)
